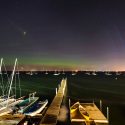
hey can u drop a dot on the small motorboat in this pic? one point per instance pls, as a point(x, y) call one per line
point(36, 108)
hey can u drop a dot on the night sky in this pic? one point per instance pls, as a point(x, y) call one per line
point(77, 34)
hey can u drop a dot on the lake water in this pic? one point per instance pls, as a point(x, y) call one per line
point(85, 88)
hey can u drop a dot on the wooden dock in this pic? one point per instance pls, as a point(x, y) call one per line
point(51, 115)
point(12, 117)
point(32, 119)
point(97, 117)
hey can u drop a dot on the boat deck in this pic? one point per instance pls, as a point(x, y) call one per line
point(52, 113)
point(95, 114)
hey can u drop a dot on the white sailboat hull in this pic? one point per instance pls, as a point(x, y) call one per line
point(4, 103)
point(8, 109)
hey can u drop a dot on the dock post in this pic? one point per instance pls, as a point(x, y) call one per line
point(69, 103)
point(108, 114)
point(58, 86)
point(56, 91)
point(100, 105)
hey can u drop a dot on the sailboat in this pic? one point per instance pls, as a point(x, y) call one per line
point(118, 73)
point(1, 83)
point(46, 72)
point(73, 73)
point(63, 72)
point(4, 87)
point(10, 101)
point(94, 73)
point(9, 107)
point(87, 73)
point(108, 73)
point(29, 73)
point(56, 73)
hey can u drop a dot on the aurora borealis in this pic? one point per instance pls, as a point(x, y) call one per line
point(73, 34)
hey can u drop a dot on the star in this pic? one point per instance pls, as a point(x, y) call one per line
point(24, 33)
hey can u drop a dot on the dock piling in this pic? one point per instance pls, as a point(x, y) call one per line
point(100, 105)
point(56, 91)
point(108, 114)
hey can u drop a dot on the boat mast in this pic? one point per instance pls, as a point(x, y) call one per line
point(1, 64)
point(2, 86)
point(18, 78)
point(12, 76)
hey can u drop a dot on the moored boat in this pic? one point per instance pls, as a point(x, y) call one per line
point(84, 113)
point(74, 107)
point(36, 108)
point(78, 110)
point(7, 101)
point(26, 104)
point(10, 108)
point(74, 110)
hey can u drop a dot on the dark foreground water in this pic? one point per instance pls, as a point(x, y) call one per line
point(86, 88)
